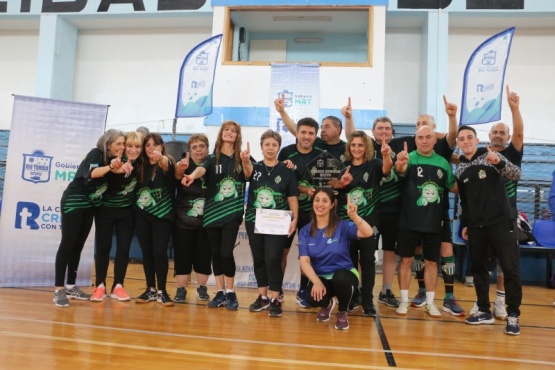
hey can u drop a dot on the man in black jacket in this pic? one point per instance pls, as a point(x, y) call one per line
point(486, 219)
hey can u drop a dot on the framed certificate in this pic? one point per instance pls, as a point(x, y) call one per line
point(272, 221)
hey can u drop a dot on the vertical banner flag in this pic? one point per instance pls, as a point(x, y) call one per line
point(48, 141)
point(300, 84)
point(196, 79)
point(484, 78)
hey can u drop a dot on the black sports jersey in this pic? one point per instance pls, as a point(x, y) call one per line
point(225, 190)
point(189, 201)
point(392, 188)
point(336, 150)
point(269, 187)
point(426, 180)
point(156, 194)
point(122, 189)
point(302, 172)
point(364, 190)
point(84, 191)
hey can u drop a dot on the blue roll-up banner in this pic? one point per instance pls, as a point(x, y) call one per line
point(196, 79)
point(484, 78)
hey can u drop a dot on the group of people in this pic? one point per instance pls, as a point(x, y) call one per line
point(393, 188)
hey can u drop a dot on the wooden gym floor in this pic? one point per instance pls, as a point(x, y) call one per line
point(34, 334)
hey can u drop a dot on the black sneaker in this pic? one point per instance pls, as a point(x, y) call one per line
point(219, 300)
point(180, 295)
point(369, 311)
point(480, 318)
point(164, 299)
point(260, 304)
point(512, 327)
point(388, 299)
point(147, 296)
point(355, 299)
point(202, 292)
point(275, 308)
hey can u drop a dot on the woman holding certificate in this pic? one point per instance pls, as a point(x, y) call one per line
point(324, 246)
point(271, 216)
point(361, 181)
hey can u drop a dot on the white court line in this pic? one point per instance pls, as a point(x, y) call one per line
point(294, 345)
point(195, 353)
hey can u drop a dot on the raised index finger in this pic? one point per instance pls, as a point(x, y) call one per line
point(405, 147)
point(348, 169)
point(488, 148)
point(508, 90)
point(348, 200)
point(248, 147)
point(445, 100)
point(349, 102)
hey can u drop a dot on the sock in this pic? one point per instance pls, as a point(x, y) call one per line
point(430, 297)
point(229, 290)
point(448, 272)
point(119, 286)
point(385, 288)
point(500, 297)
point(404, 295)
point(70, 286)
point(263, 297)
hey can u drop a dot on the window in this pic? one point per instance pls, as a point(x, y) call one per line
point(328, 36)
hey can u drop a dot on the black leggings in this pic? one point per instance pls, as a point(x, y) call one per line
point(342, 285)
point(267, 253)
point(105, 220)
point(222, 242)
point(154, 236)
point(191, 251)
point(367, 247)
point(76, 227)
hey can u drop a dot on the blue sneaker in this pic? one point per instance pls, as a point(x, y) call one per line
point(301, 300)
point(419, 299)
point(450, 305)
point(232, 303)
point(512, 327)
point(219, 300)
point(480, 318)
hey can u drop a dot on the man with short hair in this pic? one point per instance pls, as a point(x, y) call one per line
point(427, 177)
point(488, 223)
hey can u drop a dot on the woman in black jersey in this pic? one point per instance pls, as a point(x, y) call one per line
point(154, 216)
point(224, 207)
point(271, 186)
point(77, 205)
point(189, 237)
point(116, 213)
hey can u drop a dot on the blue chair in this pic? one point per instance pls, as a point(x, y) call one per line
point(544, 232)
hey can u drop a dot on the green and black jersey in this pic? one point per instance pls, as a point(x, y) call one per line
point(83, 191)
point(122, 189)
point(426, 180)
point(302, 172)
point(364, 190)
point(189, 201)
point(225, 191)
point(269, 187)
point(156, 194)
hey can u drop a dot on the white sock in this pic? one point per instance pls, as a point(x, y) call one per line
point(404, 295)
point(70, 286)
point(229, 291)
point(430, 297)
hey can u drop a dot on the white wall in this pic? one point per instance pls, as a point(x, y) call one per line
point(18, 63)
point(530, 73)
point(136, 72)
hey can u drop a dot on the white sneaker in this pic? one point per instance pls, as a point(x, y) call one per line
point(403, 308)
point(469, 281)
point(499, 310)
point(474, 309)
point(432, 310)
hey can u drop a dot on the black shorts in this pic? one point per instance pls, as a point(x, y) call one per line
point(408, 240)
point(388, 227)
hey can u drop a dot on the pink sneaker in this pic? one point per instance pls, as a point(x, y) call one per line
point(99, 294)
point(120, 294)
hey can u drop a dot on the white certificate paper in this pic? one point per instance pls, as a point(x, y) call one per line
point(272, 221)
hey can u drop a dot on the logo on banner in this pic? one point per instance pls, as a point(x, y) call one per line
point(36, 167)
point(489, 58)
point(287, 98)
point(29, 214)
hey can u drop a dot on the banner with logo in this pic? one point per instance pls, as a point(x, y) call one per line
point(48, 141)
point(300, 84)
point(484, 78)
point(196, 79)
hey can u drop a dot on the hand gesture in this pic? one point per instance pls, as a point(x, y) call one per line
point(116, 163)
point(492, 157)
point(246, 154)
point(156, 155)
point(279, 104)
point(346, 178)
point(351, 208)
point(183, 164)
point(450, 108)
point(512, 99)
point(403, 156)
point(187, 180)
point(127, 168)
point(289, 164)
point(386, 149)
point(347, 111)
point(318, 291)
